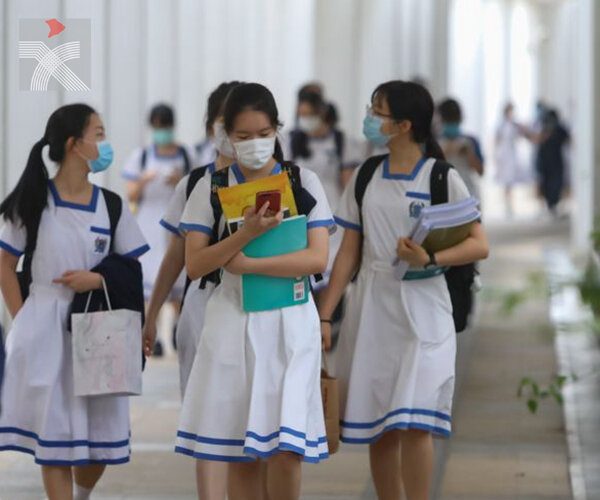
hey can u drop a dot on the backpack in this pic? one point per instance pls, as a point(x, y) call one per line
point(458, 278)
point(220, 179)
point(180, 151)
point(114, 207)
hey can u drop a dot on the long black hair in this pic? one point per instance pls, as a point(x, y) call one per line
point(28, 199)
point(255, 97)
point(413, 102)
point(216, 102)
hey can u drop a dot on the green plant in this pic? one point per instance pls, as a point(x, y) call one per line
point(536, 394)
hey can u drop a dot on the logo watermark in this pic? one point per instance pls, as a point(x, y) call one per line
point(54, 54)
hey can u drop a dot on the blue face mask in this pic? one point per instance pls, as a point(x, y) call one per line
point(372, 130)
point(105, 157)
point(163, 136)
point(451, 130)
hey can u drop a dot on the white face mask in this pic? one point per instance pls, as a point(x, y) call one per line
point(309, 124)
point(255, 153)
point(222, 142)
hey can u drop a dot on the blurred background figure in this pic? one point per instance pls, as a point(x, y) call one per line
point(151, 174)
point(461, 150)
point(550, 164)
point(509, 167)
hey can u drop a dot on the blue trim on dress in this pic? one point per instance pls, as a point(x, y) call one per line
point(137, 252)
point(100, 230)
point(66, 463)
point(320, 223)
point(420, 196)
point(401, 411)
point(423, 274)
point(196, 227)
point(10, 249)
point(63, 444)
point(169, 227)
point(405, 177)
point(177, 154)
point(347, 225)
point(131, 177)
point(208, 440)
point(208, 456)
point(398, 426)
point(91, 207)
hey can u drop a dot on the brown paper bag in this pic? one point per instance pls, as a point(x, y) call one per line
point(331, 407)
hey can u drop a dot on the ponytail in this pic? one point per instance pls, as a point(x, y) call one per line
point(28, 199)
point(278, 153)
point(433, 149)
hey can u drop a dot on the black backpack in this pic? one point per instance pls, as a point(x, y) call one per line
point(458, 278)
point(114, 207)
point(299, 141)
point(220, 179)
point(180, 151)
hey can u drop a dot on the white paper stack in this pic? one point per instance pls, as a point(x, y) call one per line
point(442, 226)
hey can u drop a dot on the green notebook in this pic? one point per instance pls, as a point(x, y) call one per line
point(264, 293)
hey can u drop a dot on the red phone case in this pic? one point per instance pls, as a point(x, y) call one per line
point(273, 197)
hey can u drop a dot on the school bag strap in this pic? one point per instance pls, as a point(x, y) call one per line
point(114, 207)
point(340, 142)
point(364, 176)
point(195, 176)
point(438, 182)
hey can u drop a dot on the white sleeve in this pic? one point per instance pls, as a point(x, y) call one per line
point(129, 240)
point(172, 216)
point(353, 154)
point(132, 170)
point(457, 189)
point(198, 214)
point(347, 215)
point(320, 215)
point(13, 238)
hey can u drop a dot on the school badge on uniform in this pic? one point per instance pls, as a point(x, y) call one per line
point(415, 209)
point(100, 244)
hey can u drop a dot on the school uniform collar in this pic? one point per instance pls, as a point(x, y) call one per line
point(90, 207)
point(239, 176)
point(404, 177)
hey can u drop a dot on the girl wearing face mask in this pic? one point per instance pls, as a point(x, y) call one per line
point(397, 345)
point(316, 144)
point(253, 394)
point(151, 175)
point(59, 222)
point(191, 318)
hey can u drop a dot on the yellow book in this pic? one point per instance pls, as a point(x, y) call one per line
point(447, 237)
point(235, 199)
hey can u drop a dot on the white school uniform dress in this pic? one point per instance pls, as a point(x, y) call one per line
point(151, 207)
point(191, 317)
point(326, 163)
point(509, 168)
point(254, 389)
point(40, 413)
point(397, 349)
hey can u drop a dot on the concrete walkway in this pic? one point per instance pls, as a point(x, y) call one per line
point(498, 451)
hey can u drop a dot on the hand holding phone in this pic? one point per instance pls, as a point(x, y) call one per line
point(274, 199)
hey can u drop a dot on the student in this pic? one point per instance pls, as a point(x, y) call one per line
point(254, 390)
point(463, 151)
point(509, 168)
point(191, 318)
point(151, 175)
point(397, 345)
point(318, 146)
point(66, 221)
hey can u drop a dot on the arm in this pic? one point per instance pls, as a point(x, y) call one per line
point(170, 268)
point(9, 283)
point(135, 189)
point(345, 266)
point(312, 260)
point(202, 259)
point(345, 176)
point(474, 248)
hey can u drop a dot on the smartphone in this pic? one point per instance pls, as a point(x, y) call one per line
point(273, 197)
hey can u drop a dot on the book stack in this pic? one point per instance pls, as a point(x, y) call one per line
point(442, 226)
